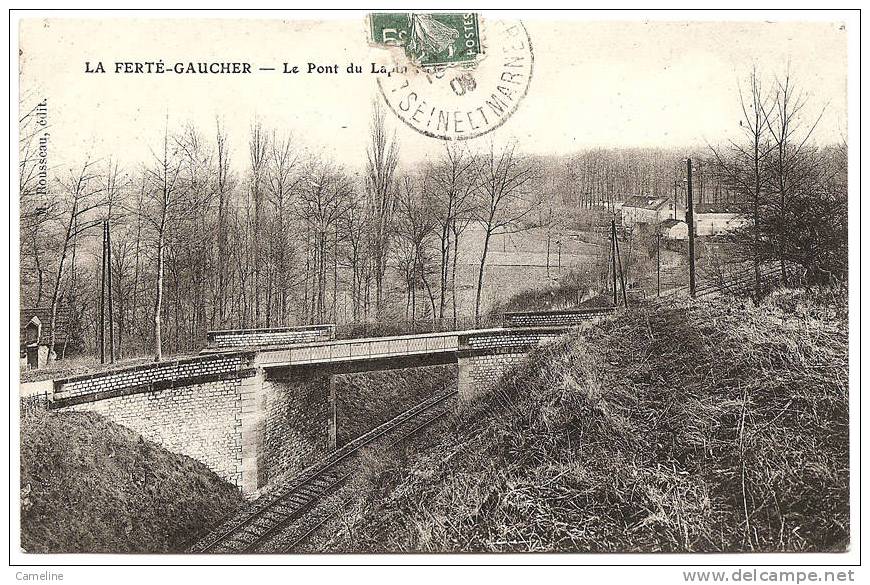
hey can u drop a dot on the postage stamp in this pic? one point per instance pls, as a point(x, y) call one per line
point(458, 79)
point(429, 39)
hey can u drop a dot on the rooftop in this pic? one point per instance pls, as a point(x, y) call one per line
point(645, 202)
point(62, 323)
point(669, 223)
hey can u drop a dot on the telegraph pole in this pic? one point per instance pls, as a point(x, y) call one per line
point(690, 220)
point(103, 300)
point(613, 255)
point(659, 262)
point(109, 291)
point(621, 274)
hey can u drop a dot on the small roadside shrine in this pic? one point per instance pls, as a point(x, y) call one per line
point(35, 334)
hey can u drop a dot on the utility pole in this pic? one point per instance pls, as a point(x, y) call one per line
point(109, 291)
point(613, 255)
point(102, 319)
point(690, 220)
point(659, 262)
point(621, 274)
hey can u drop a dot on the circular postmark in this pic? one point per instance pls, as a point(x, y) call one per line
point(465, 99)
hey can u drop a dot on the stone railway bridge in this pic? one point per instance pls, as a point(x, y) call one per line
point(257, 404)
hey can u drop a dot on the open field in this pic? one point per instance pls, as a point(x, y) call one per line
point(517, 262)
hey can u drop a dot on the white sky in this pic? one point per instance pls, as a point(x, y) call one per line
point(594, 83)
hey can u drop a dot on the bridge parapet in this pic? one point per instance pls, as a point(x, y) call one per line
point(372, 348)
point(238, 338)
point(483, 356)
point(513, 340)
point(563, 318)
point(151, 377)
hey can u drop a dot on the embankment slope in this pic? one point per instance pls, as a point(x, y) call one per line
point(89, 485)
point(720, 428)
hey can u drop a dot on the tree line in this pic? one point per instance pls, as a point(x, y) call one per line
point(206, 238)
point(203, 238)
point(793, 192)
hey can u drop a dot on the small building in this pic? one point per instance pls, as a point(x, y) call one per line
point(712, 219)
point(35, 334)
point(674, 229)
point(641, 210)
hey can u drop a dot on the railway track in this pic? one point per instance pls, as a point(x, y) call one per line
point(734, 284)
point(275, 512)
point(306, 530)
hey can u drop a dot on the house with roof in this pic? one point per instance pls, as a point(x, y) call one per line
point(713, 219)
point(674, 229)
point(647, 210)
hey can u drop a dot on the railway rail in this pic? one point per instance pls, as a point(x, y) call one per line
point(285, 519)
point(275, 512)
point(735, 284)
point(305, 532)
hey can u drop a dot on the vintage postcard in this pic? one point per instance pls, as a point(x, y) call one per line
point(434, 282)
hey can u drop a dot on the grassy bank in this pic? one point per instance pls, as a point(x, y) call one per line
point(720, 428)
point(89, 485)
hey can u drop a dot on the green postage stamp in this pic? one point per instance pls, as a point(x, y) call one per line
point(432, 39)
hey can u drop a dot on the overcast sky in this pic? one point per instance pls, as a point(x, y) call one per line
point(594, 84)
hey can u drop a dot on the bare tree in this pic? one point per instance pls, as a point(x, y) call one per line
point(382, 157)
point(416, 223)
point(743, 166)
point(283, 179)
point(503, 199)
point(224, 186)
point(37, 207)
point(82, 195)
point(454, 180)
point(258, 145)
point(162, 211)
point(354, 226)
point(323, 198)
point(788, 163)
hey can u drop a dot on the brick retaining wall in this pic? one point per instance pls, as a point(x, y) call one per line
point(200, 420)
point(191, 406)
point(483, 357)
point(214, 408)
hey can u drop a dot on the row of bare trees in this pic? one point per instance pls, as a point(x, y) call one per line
point(204, 239)
point(603, 177)
point(793, 192)
point(207, 238)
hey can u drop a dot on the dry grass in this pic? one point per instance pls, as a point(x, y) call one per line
point(89, 485)
point(720, 428)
